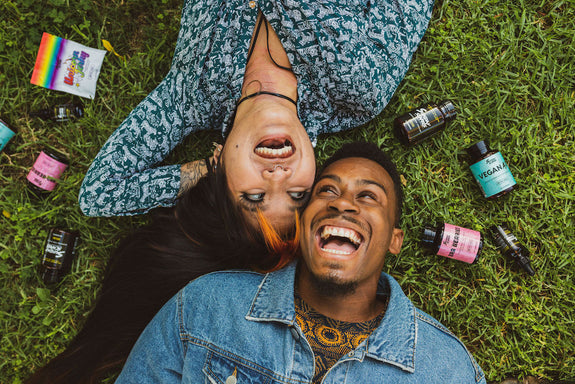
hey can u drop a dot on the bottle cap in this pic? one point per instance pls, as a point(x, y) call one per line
point(50, 276)
point(56, 156)
point(428, 236)
point(478, 149)
point(447, 109)
point(524, 263)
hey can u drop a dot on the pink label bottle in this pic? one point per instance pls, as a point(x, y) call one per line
point(46, 171)
point(452, 241)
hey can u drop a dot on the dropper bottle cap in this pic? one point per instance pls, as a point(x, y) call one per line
point(447, 109)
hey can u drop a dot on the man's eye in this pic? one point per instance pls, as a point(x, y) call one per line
point(326, 189)
point(367, 195)
point(253, 197)
point(298, 196)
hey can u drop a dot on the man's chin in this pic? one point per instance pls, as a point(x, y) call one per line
point(332, 285)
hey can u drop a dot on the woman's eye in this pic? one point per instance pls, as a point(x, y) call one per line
point(253, 197)
point(300, 195)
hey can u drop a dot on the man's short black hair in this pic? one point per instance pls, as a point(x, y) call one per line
point(370, 151)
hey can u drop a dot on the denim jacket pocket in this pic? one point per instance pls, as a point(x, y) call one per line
point(230, 369)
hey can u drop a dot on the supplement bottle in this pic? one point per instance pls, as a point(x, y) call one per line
point(58, 254)
point(490, 170)
point(5, 134)
point(60, 113)
point(453, 241)
point(509, 246)
point(46, 171)
point(423, 122)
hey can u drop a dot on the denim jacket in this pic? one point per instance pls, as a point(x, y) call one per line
point(239, 327)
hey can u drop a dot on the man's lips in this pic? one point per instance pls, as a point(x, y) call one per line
point(337, 240)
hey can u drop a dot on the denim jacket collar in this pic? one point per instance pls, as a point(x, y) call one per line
point(393, 342)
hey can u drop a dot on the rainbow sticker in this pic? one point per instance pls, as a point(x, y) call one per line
point(67, 66)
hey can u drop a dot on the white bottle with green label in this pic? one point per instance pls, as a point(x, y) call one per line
point(490, 170)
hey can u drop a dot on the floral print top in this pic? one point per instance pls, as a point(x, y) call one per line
point(348, 56)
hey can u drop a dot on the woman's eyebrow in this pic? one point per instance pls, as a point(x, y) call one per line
point(251, 208)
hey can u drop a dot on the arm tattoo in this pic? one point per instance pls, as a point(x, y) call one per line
point(190, 173)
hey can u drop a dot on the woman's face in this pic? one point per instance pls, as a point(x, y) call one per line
point(269, 162)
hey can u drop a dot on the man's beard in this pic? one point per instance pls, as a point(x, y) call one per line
point(331, 285)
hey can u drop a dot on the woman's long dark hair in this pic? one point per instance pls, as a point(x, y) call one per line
point(204, 232)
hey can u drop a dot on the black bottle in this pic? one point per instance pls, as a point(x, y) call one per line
point(509, 246)
point(58, 254)
point(60, 113)
point(423, 122)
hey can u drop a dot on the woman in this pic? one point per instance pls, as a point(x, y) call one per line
point(312, 67)
point(152, 264)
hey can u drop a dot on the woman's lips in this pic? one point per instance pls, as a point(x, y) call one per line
point(275, 148)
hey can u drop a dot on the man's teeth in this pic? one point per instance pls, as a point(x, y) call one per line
point(336, 251)
point(341, 232)
point(274, 151)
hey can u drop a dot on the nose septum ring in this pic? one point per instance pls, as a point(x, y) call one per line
point(276, 166)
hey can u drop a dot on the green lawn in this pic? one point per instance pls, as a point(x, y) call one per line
point(508, 66)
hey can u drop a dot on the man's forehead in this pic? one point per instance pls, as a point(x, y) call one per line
point(354, 167)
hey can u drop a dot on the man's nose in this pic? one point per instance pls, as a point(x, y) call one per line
point(344, 203)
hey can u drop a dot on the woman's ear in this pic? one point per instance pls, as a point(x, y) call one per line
point(217, 152)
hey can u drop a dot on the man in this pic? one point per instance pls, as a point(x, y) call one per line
point(333, 317)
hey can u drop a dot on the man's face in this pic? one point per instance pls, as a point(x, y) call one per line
point(348, 226)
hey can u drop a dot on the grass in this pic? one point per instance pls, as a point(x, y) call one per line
point(508, 66)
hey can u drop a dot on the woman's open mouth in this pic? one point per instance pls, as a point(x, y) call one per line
point(339, 240)
point(275, 148)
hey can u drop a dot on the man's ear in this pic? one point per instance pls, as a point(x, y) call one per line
point(396, 241)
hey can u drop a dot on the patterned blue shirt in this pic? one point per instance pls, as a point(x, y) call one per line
point(348, 56)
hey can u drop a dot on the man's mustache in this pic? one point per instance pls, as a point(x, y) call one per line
point(342, 217)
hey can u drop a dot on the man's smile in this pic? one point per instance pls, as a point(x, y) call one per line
point(338, 240)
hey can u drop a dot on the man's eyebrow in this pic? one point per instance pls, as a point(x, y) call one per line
point(372, 182)
point(335, 178)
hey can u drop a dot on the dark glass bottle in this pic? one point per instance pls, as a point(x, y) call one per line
point(6, 134)
point(509, 246)
point(490, 170)
point(61, 112)
point(423, 122)
point(453, 241)
point(46, 171)
point(58, 255)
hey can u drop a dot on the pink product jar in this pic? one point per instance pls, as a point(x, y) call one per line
point(453, 242)
point(46, 171)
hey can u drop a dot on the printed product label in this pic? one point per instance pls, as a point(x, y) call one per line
point(422, 119)
point(493, 175)
point(45, 172)
point(55, 249)
point(5, 134)
point(459, 243)
point(67, 66)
